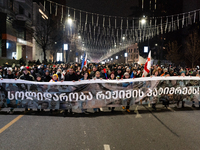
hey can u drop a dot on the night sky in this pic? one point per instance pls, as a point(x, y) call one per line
point(122, 7)
point(106, 7)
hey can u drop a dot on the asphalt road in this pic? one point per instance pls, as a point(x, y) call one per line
point(142, 129)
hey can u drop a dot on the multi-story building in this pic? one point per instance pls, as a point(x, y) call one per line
point(132, 54)
point(15, 21)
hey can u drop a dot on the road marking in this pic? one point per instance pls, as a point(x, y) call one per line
point(149, 105)
point(106, 147)
point(10, 123)
point(170, 109)
point(137, 113)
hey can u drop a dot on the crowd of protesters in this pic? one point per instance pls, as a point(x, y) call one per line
point(74, 72)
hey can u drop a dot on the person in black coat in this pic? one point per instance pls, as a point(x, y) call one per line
point(26, 75)
point(71, 76)
point(47, 76)
point(9, 74)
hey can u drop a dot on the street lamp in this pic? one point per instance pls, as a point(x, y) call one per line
point(143, 21)
point(69, 20)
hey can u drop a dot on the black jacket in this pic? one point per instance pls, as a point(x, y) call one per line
point(47, 78)
point(72, 77)
point(27, 77)
point(12, 76)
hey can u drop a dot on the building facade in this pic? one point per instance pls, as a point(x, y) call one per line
point(15, 21)
point(132, 54)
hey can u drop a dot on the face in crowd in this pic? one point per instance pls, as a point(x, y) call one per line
point(119, 71)
point(86, 75)
point(71, 71)
point(9, 72)
point(94, 69)
point(39, 78)
point(97, 75)
point(46, 73)
point(126, 76)
point(55, 77)
point(156, 73)
point(25, 71)
point(112, 76)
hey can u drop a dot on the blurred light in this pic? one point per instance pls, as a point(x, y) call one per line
point(156, 44)
point(123, 38)
point(108, 60)
point(125, 54)
point(111, 59)
point(65, 47)
point(143, 21)
point(69, 21)
point(43, 14)
point(146, 49)
point(79, 36)
point(116, 57)
point(7, 45)
point(59, 56)
point(55, 42)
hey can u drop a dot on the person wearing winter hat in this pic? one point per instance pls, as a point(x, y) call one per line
point(26, 75)
point(39, 77)
point(9, 74)
point(47, 76)
point(54, 78)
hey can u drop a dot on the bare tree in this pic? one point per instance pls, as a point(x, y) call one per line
point(45, 34)
point(192, 51)
point(173, 52)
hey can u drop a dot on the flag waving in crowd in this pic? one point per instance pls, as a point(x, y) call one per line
point(84, 61)
point(147, 66)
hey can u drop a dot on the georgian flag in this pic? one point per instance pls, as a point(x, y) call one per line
point(147, 66)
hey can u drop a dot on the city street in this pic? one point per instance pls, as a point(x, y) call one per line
point(142, 129)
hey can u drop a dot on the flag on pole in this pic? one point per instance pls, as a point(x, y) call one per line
point(147, 66)
point(105, 73)
point(84, 61)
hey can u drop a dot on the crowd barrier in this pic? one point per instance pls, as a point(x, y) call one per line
point(97, 93)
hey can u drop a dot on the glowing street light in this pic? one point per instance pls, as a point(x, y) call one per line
point(69, 20)
point(143, 21)
point(79, 36)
